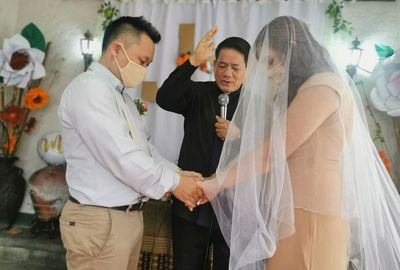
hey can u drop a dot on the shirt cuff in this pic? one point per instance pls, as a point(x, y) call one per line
point(170, 165)
point(175, 180)
point(188, 65)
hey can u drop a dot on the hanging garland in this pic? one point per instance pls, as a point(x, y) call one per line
point(334, 12)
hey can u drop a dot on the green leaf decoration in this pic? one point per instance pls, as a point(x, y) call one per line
point(334, 12)
point(108, 11)
point(383, 51)
point(35, 37)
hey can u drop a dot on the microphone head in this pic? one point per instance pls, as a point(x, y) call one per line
point(223, 99)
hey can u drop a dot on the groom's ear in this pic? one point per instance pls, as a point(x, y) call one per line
point(115, 48)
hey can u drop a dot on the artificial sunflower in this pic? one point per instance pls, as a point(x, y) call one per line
point(12, 115)
point(36, 98)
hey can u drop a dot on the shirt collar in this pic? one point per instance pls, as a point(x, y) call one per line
point(106, 74)
point(233, 94)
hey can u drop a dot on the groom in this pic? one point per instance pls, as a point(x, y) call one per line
point(205, 131)
point(112, 170)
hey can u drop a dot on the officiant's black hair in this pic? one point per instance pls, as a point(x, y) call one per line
point(236, 43)
point(127, 23)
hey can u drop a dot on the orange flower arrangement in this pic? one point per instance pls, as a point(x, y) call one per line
point(10, 143)
point(385, 160)
point(203, 66)
point(36, 98)
point(182, 58)
point(14, 116)
point(21, 71)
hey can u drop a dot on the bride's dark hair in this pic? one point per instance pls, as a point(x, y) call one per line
point(307, 56)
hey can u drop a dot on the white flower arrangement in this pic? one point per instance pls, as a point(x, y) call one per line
point(19, 63)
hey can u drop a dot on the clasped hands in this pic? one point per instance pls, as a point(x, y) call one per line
point(191, 189)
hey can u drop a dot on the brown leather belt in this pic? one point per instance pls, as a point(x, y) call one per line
point(134, 207)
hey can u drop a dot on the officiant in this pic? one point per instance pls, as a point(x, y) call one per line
point(204, 133)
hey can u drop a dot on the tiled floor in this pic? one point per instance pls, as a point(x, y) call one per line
point(19, 251)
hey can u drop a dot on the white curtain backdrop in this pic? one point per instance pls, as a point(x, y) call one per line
point(244, 19)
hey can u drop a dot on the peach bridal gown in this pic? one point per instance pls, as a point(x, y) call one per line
point(319, 122)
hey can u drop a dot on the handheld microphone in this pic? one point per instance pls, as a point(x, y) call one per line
point(223, 100)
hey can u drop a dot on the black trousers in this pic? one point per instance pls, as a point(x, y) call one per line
point(191, 244)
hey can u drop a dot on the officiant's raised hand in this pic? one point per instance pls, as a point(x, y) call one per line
point(204, 48)
point(188, 191)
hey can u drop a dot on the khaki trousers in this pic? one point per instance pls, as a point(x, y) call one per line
point(97, 238)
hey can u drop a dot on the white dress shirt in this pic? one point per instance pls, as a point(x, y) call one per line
point(105, 166)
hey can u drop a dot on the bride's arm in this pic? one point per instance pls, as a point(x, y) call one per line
point(308, 110)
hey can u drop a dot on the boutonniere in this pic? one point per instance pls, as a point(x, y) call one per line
point(141, 106)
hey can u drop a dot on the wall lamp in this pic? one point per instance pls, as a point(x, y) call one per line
point(87, 48)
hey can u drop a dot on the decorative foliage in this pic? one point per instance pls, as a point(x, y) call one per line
point(20, 68)
point(334, 11)
point(378, 136)
point(378, 131)
point(108, 11)
point(35, 37)
point(339, 23)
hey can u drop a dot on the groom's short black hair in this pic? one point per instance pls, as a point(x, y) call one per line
point(131, 25)
point(236, 43)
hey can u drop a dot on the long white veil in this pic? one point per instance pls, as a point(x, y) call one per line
point(276, 158)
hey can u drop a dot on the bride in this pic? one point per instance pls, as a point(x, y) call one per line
point(302, 186)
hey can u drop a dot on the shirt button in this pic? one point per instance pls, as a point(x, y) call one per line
point(120, 87)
